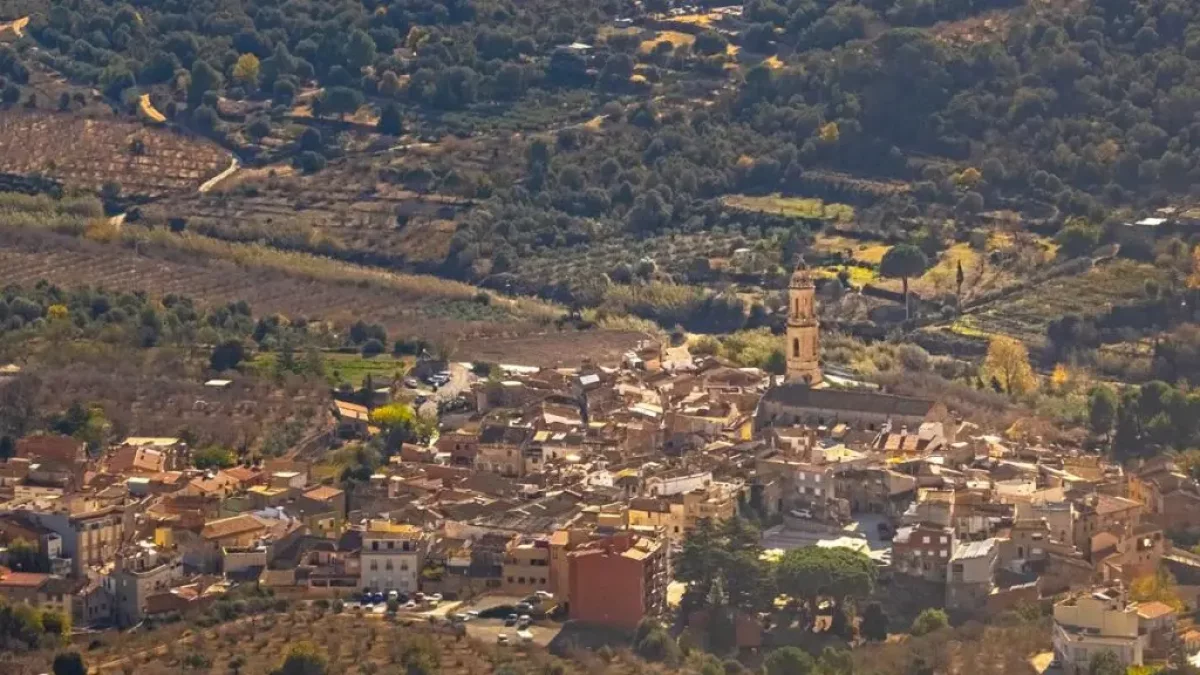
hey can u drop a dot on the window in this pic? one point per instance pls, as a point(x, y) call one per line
point(796, 348)
point(388, 566)
point(510, 580)
point(945, 540)
point(925, 540)
point(403, 567)
point(391, 545)
point(374, 565)
point(374, 546)
point(817, 491)
point(942, 554)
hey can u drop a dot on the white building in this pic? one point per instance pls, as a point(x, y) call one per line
point(392, 556)
point(1089, 624)
point(678, 482)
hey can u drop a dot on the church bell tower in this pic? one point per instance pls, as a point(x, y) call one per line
point(803, 346)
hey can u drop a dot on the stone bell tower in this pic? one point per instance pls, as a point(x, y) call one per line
point(803, 346)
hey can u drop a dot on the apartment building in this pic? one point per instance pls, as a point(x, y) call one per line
point(526, 566)
point(90, 537)
point(392, 556)
point(619, 580)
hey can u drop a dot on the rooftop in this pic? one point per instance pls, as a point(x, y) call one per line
point(229, 527)
point(974, 549)
point(389, 530)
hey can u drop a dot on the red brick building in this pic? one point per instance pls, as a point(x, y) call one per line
point(619, 580)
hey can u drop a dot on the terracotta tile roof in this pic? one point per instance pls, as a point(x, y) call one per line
point(51, 446)
point(242, 474)
point(221, 482)
point(324, 493)
point(228, 527)
point(1153, 610)
point(10, 579)
point(137, 458)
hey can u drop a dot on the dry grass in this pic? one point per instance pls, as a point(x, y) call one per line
point(791, 207)
point(697, 19)
point(865, 252)
point(676, 39)
point(147, 110)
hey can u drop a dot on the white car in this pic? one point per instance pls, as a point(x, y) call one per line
point(502, 639)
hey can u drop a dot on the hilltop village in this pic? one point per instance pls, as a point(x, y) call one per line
point(568, 495)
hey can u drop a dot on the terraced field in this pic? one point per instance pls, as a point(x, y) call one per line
point(395, 207)
point(1025, 315)
point(410, 306)
point(86, 153)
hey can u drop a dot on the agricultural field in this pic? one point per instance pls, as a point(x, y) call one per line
point(792, 207)
point(863, 252)
point(439, 311)
point(672, 254)
point(342, 368)
point(1026, 314)
point(397, 208)
point(1003, 261)
point(87, 153)
point(602, 347)
point(160, 392)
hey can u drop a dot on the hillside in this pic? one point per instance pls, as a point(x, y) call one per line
point(662, 161)
point(359, 645)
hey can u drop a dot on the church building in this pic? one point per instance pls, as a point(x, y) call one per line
point(806, 398)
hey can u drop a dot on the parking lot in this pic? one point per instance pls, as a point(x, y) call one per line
point(489, 630)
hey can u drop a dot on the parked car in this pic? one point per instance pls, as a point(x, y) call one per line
point(524, 607)
point(524, 621)
point(885, 531)
point(411, 382)
point(525, 636)
point(511, 620)
point(377, 597)
point(802, 513)
point(502, 639)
